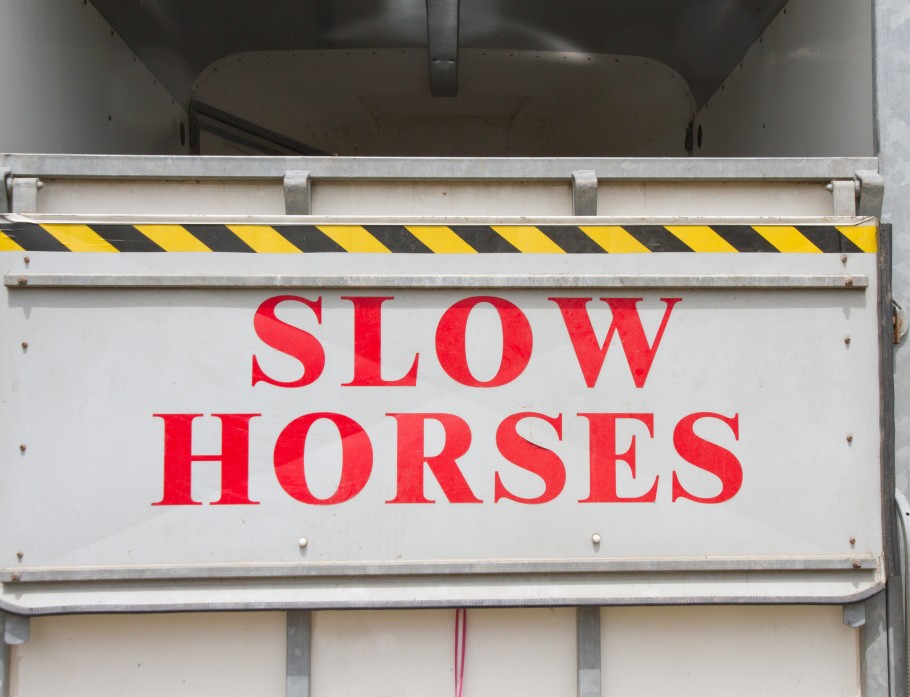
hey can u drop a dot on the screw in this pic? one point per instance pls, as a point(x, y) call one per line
point(848, 282)
point(852, 540)
point(23, 281)
point(302, 542)
point(22, 448)
point(843, 258)
point(27, 260)
point(595, 538)
point(19, 555)
point(849, 437)
point(25, 346)
point(847, 340)
point(14, 577)
point(857, 564)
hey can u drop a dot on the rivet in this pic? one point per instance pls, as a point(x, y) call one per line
point(24, 345)
point(19, 555)
point(595, 538)
point(849, 437)
point(857, 564)
point(302, 542)
point(843, 258)
point(852, 540)
point(847, 340)
point(14, 577)
point(848, 282)
point(23, 281)
point(27, 260)
point(22, 448)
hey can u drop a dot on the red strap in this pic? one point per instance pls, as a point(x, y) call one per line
point(461, 638)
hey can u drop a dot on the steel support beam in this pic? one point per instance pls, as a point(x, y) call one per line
point(299, 635)
point(442, 41)
point(587, 624)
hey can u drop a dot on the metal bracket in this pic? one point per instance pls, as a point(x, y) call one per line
point(855, 615)
point(442, 44)
point(899, 321)
point(845, 193)
point(298, 193)
point(6, 193)
point(299, 643)
point(24, 194)
point(16, 630)
point(584, 192)
point(587, 623)
point(870, 193)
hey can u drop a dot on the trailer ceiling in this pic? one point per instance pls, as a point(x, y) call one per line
point(702, 40)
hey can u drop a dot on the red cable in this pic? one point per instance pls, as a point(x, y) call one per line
point(461, 632)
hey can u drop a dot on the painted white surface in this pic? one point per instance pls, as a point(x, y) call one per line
point(517, 103)
point(411, 653)
point(804, 89)
point(191, 353)
point(746, 651)
point(70, 85)
point(459, 198)
point(180, 655)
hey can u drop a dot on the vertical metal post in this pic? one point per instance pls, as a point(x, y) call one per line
point(587, 624)
point(299, 638)
point(5, 662)
point(874, 664)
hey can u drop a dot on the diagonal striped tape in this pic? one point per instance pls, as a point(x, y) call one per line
point(439, 239)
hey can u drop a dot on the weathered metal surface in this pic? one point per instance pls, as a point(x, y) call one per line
point(495, 458)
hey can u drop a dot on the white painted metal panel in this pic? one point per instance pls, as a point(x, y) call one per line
point(71, 85)
point(409, 653)
point(147, 655)
point(803, 89)
point(791, 402)
point(713, 652)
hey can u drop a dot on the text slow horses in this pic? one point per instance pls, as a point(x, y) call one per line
point(412, 460)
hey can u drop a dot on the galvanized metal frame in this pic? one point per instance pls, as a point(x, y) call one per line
point(26, 280)
point(165, 167)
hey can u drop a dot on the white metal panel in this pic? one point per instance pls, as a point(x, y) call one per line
point(190, 352)
point(454, 198)
point(803, 89)
point(197, 197)
point(442, 198)
point(715, 652)
point(184, 655)
point(70, 85)
point(410, 653)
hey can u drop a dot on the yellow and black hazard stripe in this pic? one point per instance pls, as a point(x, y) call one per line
point(437, 239)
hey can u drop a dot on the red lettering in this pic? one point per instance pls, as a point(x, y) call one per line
point(603, 458)
point(517, 342)
point(444, 465)
point(179, 458)
point(708, 456)
point(368, 346)
point(531, 457)
point(290, 340)
point(626, 323)
point(356, 458)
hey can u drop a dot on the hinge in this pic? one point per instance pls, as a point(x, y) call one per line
point(870, 193)
point(297, 193)
point(5, 190)
point(584, 192)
